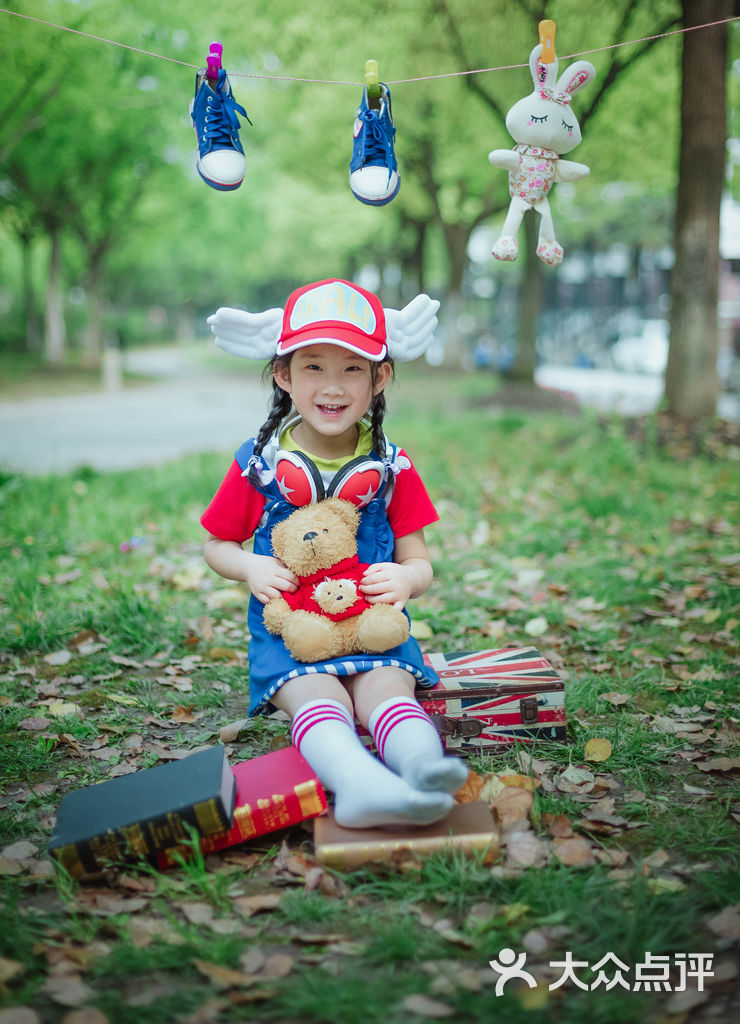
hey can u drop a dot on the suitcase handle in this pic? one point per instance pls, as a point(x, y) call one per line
point(457, 727)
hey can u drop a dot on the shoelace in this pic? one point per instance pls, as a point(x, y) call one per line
point(378, 142)
point(221, 120)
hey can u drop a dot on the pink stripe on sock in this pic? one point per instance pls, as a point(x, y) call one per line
point(306, 719)
point(393, 716)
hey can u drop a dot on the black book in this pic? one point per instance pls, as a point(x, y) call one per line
point(134, 816)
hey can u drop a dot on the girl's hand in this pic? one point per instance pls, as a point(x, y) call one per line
point(388, 583)
point(267, 577)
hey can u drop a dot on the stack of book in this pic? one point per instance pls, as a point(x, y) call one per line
point(147, 815)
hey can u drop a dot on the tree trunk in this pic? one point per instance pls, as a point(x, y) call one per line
point(92, 339)
point(54, 334)
point(33, 329)
point(691, 380)
point(529, 301)
point(456, 238)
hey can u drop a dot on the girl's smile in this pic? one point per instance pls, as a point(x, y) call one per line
point(331, 389)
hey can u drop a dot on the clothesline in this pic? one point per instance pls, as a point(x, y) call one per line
point(397, 81)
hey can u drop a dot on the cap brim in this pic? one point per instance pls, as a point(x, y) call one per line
point(360, 344)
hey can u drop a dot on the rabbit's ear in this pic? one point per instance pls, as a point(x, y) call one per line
point(576, 76)
point(542, 74)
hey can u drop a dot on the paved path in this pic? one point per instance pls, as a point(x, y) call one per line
point(187, 409)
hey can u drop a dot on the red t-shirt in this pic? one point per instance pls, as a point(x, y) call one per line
point(236, 508)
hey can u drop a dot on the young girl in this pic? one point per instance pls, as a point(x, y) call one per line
point(331, 355)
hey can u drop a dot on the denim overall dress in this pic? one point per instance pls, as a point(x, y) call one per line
point(270, 662)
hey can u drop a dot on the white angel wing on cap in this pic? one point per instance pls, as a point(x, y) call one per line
point(410, 330)
point(247, 335)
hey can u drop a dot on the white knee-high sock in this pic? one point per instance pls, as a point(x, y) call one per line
point(407, 741)
point(366, 793)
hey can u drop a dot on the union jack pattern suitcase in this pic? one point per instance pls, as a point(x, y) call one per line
point(487, 700)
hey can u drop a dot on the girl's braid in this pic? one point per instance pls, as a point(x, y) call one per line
point(377, 412)
point(281, 406)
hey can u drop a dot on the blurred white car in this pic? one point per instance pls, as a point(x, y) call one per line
point(646, 352)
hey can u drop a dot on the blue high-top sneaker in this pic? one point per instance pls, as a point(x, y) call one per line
point(373, 171)
point(214, 110)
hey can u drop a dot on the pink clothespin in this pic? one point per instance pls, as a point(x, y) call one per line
point(213, 62)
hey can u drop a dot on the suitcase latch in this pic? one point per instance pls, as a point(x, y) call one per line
point(528, 709)
point(457, 727)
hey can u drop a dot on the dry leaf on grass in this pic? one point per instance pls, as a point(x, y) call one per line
point(558, 825)
point(88, 1015)
point(719, 764)
point(512, 805)
point(19, 1015)
point(423, 1006)
point(526, 850)
point(67, 990)
point(230, 732)
point(573, 853)
point(9, 969)
point(597, 749)
point(249, 905)
point(726, 924)
point(575, 780)
point(470, 790)
point(224, 977)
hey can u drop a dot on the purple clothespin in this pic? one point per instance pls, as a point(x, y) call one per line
point(213, 62)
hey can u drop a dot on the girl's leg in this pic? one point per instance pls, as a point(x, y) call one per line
point(404, 735)
point(366, 793)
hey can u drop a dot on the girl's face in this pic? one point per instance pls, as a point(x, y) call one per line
point(331, 389)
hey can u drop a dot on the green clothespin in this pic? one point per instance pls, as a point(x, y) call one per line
point(372, 82)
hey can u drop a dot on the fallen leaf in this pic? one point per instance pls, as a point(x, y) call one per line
point(573, 853)
point(519, 781)
point(22, 850)
point(492, 786)
point(575, 780)
point(682, 1002)
point(224, 977)
point(423, 1006)
point(526, 850)
point(726, 923)
point(597, 749)
point(67, 990)
point(229, 733)
point(615, 699)
point(224, 597)
point(249, 905)
point(558, 825)
point(511, 806)
point(34, 724)
point(19, 1015)
point(184, 714)
point(536, 626)
point(9, 969)
point(421, 630)
point(58, 657)
point(89, 1015)
point(718, 764)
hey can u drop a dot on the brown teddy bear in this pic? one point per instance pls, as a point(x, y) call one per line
point(328, 617)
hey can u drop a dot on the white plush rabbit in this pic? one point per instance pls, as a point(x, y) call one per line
point(544, 127)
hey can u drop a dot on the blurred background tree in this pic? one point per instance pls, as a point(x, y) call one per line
point(110, 235)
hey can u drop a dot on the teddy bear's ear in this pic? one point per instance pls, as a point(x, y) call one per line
point(345, 510)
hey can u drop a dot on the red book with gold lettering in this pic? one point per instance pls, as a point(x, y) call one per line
point(272, 791)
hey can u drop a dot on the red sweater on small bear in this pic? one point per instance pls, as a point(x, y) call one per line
point(348, 569)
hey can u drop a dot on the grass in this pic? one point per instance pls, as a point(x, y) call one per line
point(627, 553)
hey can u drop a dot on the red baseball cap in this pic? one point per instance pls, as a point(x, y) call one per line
point(335, 312)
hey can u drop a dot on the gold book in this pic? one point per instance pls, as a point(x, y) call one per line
point(468, 828)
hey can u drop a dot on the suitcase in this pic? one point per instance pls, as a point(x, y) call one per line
point(487, 700)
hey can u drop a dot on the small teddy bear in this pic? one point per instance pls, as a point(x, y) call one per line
point(544, 127)
point(328, 617)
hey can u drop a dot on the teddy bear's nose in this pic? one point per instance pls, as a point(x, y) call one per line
point(310, 535)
